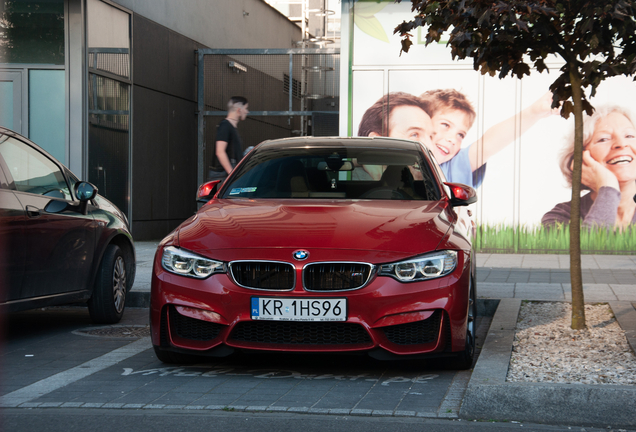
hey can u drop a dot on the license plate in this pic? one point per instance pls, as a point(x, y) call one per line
point(296, 309)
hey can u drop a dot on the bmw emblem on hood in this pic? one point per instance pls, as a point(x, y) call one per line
point(301, 255)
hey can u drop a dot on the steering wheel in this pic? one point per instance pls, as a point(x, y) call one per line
point(384, 192)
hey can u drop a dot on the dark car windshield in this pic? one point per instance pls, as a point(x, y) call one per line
point(334, 173)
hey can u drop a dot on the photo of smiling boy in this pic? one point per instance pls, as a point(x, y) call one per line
point(453, 115)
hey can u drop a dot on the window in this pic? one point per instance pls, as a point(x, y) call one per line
point(32, 31)
point(109, 96)
point(33, 172)
point(334, 173)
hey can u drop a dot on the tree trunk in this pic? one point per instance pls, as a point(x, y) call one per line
point(576, 277)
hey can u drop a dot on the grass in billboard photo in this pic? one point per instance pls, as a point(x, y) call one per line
point(501, 238)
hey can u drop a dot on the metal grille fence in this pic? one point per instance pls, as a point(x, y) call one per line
point(291, 92)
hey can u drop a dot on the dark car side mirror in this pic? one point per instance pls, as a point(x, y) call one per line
point(206, 191)
point(84, 191)
point(462, 195)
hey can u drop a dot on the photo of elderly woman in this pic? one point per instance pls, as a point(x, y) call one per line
point(609, 171)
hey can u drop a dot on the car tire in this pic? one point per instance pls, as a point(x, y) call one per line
point(108, 300)
point(464, 360)
point(171, 357)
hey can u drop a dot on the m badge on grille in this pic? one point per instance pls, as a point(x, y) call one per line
point(301, 255)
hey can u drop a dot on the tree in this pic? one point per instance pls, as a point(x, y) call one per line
point(595, 39)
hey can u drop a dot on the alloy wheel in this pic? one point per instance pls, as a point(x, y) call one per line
point(119, 284)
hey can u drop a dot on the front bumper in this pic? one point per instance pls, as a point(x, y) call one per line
point(205, 317)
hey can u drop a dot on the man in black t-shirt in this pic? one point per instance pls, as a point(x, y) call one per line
point(229, 148)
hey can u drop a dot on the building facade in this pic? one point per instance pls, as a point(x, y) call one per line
point(109, 88)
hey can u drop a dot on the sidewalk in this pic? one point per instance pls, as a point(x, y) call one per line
point(514, 278)
point(507, 280)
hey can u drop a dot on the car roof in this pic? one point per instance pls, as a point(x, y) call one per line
point(368, 142)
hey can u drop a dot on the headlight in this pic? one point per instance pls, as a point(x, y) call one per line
point(186, 263)
point(426, 267)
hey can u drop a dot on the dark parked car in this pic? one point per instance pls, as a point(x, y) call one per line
point(322, 245)
point(60, 242)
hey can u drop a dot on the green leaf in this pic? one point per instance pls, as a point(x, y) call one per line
point(372, 27)
point(368, 8)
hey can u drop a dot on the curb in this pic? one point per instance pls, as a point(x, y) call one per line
point(489, 396)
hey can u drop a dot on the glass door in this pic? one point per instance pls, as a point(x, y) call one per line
point(11, 100)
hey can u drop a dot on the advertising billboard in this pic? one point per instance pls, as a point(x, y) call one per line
point(498, 135)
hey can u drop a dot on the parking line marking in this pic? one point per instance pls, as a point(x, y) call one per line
point(59, 380)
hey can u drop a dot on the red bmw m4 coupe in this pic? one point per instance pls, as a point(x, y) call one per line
point(321, 244)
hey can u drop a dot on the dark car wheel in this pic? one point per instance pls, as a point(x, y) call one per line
point(464, 360)
point(108, 300)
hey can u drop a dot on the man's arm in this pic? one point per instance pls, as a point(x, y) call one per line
point(221, 155)
point(500, 135)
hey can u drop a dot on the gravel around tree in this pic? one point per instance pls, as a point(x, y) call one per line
point(546, 349)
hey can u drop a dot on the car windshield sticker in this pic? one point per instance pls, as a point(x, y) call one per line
point(237, 191)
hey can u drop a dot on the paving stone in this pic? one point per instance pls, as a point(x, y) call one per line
point(72, 404)
point(383, 413)
point(276, 409)
point(426, 414)
point(50, 404)
point(318, 411)
point(256, 408)
point(400, 413)
point(298, 409)
point(339, 411)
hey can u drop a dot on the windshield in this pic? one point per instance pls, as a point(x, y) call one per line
point(334, 173)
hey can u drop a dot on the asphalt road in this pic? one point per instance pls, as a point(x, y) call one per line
point(55, 358)
point(68, 374)
point(67, 420)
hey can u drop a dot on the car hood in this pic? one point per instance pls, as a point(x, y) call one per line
point(387, 229)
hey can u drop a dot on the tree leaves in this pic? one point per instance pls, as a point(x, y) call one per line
point(598, 36)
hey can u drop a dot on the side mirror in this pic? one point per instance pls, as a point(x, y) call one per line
point(462, 195)
point(84, 191)
point(207, 190)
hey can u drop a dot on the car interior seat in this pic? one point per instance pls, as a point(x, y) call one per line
point(292, 179)
point(399, 178)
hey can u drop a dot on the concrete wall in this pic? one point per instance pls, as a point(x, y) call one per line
point(164, 143)
point(221, 23)
point(166, 35)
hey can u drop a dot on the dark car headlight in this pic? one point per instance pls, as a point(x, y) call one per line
point(429, 266)
point(186, 263)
